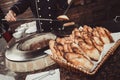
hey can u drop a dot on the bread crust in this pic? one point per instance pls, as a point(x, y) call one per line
point(83, 46)
point(62, 17)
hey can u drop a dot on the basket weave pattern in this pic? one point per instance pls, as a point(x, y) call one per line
point(71, 67)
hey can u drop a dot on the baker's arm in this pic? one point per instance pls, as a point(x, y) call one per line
point(18, 8)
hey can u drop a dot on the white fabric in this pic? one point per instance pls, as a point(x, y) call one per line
point(55, 76)
point(4, 77)
point(31, 27)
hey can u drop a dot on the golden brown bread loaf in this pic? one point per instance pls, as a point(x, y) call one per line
point(68, 24)
point(83, 46)
point(55, 50)
point(62, 17)
point(79, 61)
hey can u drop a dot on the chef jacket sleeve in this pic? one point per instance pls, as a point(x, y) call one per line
point(20, 6)
point(62, 4)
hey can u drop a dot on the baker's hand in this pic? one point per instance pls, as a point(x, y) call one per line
point(10, 16)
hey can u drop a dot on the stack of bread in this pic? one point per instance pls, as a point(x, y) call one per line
point(82, 46)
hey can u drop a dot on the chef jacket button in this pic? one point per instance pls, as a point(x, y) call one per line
point(59, 28)
point(49, 7)
point(50, 22)
point(49, 14)
point(42, 29)
point(41, 23)
point(51, 28)
point(38, 0)
point(39, 8)
point(40, 16)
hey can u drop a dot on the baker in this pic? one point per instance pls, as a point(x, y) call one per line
point(41, 9)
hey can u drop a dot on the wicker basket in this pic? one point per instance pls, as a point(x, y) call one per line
point(71, 67)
